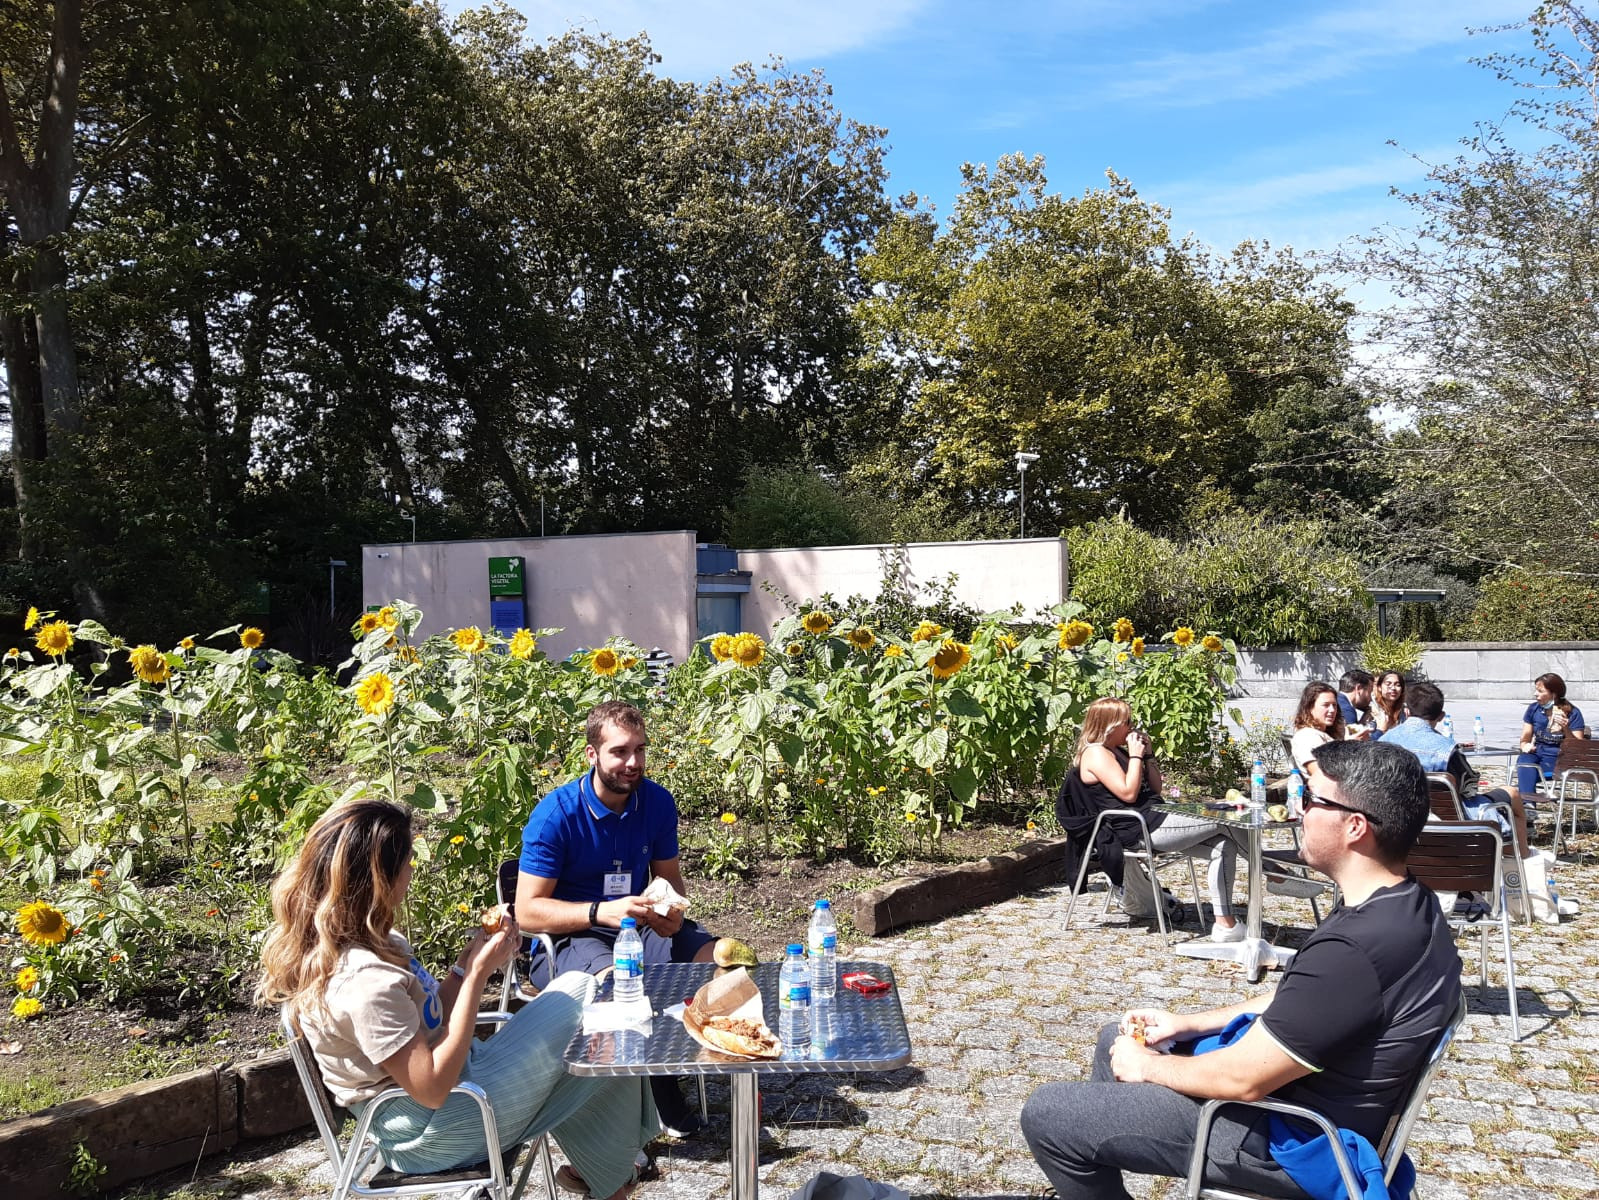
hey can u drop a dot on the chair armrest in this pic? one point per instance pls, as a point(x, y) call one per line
point(1207, 1118)
point(355, 1163)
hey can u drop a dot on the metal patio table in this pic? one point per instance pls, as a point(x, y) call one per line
point(864, 1033)
point(1255, 953)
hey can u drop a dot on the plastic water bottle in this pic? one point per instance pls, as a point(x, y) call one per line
point(627, 962)
point(794, 1003)
point(1257, 784)
point(1479, 738)
point(1296, 793)
point(823, 939)
point(1447, 727)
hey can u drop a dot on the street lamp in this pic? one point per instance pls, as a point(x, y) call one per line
point(333, 565)
point(1023, 461)
point(411, 517)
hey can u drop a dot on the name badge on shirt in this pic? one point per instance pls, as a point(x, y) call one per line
point(618, 883)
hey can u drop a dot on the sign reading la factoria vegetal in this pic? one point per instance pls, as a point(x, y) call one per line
point(505, 576)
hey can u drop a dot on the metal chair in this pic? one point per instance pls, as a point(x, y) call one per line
point(1576, 783)
point(1466, 856)
point(483, 1181)
point(1146, 855)
point(1394, 1138)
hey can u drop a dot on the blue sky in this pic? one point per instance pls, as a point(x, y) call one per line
point(1248, 120)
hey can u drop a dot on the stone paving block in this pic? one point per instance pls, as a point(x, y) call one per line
point(1524, 1141)
point(957, 1161)
point(1527, 1117)
point(1571, 1101)
point(1442, 1133)
point(1559, 1172)
point(945, 1127)
point(1465, 1111)
point(893, 1151)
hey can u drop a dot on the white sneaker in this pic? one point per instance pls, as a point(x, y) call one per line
point(1224, 933)
point(1567, 908)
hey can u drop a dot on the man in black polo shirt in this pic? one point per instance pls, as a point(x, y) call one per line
point(1350, 1025)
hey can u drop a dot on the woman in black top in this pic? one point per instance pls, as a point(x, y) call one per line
point(1114, 767)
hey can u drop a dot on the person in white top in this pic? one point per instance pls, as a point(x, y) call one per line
point(1317, 722)
point(376, 1018)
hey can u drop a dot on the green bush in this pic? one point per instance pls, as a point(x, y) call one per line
point(1518, 606)
point(1259, 582)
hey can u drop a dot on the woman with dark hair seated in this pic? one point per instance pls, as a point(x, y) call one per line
point(1317, 722)
point(1548, 721)
point(376, 1018)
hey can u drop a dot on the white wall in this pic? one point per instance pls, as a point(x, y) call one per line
point(991, 575)
point(639, 585)
point(1464, 670)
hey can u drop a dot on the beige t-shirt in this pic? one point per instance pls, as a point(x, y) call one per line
point(373, 1009)
point(1305, 742)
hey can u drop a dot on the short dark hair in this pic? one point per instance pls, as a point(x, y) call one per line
point(1350, 680)
point(612, 712)
point(1384, 781)
point(1425, 700)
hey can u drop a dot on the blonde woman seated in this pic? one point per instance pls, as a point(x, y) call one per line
point(376, 1018)
point(1115, 768)
point(1317, 722)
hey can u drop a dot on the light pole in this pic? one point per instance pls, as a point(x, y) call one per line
point(1023, 461)
point(333, 565)
point(411, 517)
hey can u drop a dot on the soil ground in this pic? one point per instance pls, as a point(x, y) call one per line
point(94, 1046)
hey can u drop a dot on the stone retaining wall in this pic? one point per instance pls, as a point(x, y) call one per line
point(1465, 670)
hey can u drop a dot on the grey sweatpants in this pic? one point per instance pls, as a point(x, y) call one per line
point(1084, 1135)
point(1199, 838)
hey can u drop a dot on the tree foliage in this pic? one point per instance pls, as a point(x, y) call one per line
point(1497, 332)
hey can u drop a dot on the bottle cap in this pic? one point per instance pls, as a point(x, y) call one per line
point(795, 948)
point(824, 904)
point(629, 923)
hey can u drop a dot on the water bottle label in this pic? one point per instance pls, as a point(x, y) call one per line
point(797, 993)
point(628, 966)
point(828, 941)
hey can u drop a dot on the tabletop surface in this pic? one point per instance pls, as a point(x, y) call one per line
point(1245, 817)
point(866, 1033)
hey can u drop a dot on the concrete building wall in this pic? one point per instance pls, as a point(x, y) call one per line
point(1464, 670)
point(639, 585)
point(990, 575)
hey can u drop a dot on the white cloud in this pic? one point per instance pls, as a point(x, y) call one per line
point(697, 39)
point(1329, 43)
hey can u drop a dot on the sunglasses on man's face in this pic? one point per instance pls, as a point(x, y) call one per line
point(1323, 802)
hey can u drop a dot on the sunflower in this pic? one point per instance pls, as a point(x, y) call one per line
point(33, 618)
point(375, 694)
point(469, 640)
point(927, 631)
point(1074, 633)
point(1138, 647)
point(892, 651)
point(1211, 642)
point(910, 818)
point(252, 638)
point(816, 623)
point(186, 645)
point(1005, 641)
point(747, 650)
point(794, 649)
point(1183, 637)
point(721, 647)
point(42, 924)
point(952, 656)
point(26, 1007)
point(149, 664)
point(55, 638)
point(604, 661)
point(861, 638)
point(388, 618)
point(27, 979)
point(729, 819)
point(1123, 631)
point(629, 661)
point(408, 654)
point(368, 624)
point(523, 643)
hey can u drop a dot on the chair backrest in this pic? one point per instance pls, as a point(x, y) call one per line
point(1459, 856)
point(1577, 753)
point(1444, 797)
point(327, 1120)
point(1398, 1133)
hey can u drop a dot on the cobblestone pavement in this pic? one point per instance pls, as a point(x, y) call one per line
point(1001, 1000)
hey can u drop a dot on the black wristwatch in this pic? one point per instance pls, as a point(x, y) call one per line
point(594, 914)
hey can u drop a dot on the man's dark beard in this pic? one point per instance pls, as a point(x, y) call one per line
point(612, 784)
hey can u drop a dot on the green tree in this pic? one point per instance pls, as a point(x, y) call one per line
point(1497, 287)
point(1077, 328)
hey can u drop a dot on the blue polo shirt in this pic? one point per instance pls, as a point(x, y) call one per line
point(575, 840)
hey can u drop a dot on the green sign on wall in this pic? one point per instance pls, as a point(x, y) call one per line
point(505, 576)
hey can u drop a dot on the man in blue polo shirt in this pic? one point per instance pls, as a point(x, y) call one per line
point(588, 851)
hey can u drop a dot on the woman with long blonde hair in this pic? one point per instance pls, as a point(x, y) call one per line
point(1114, 767)
point(376, 1018)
